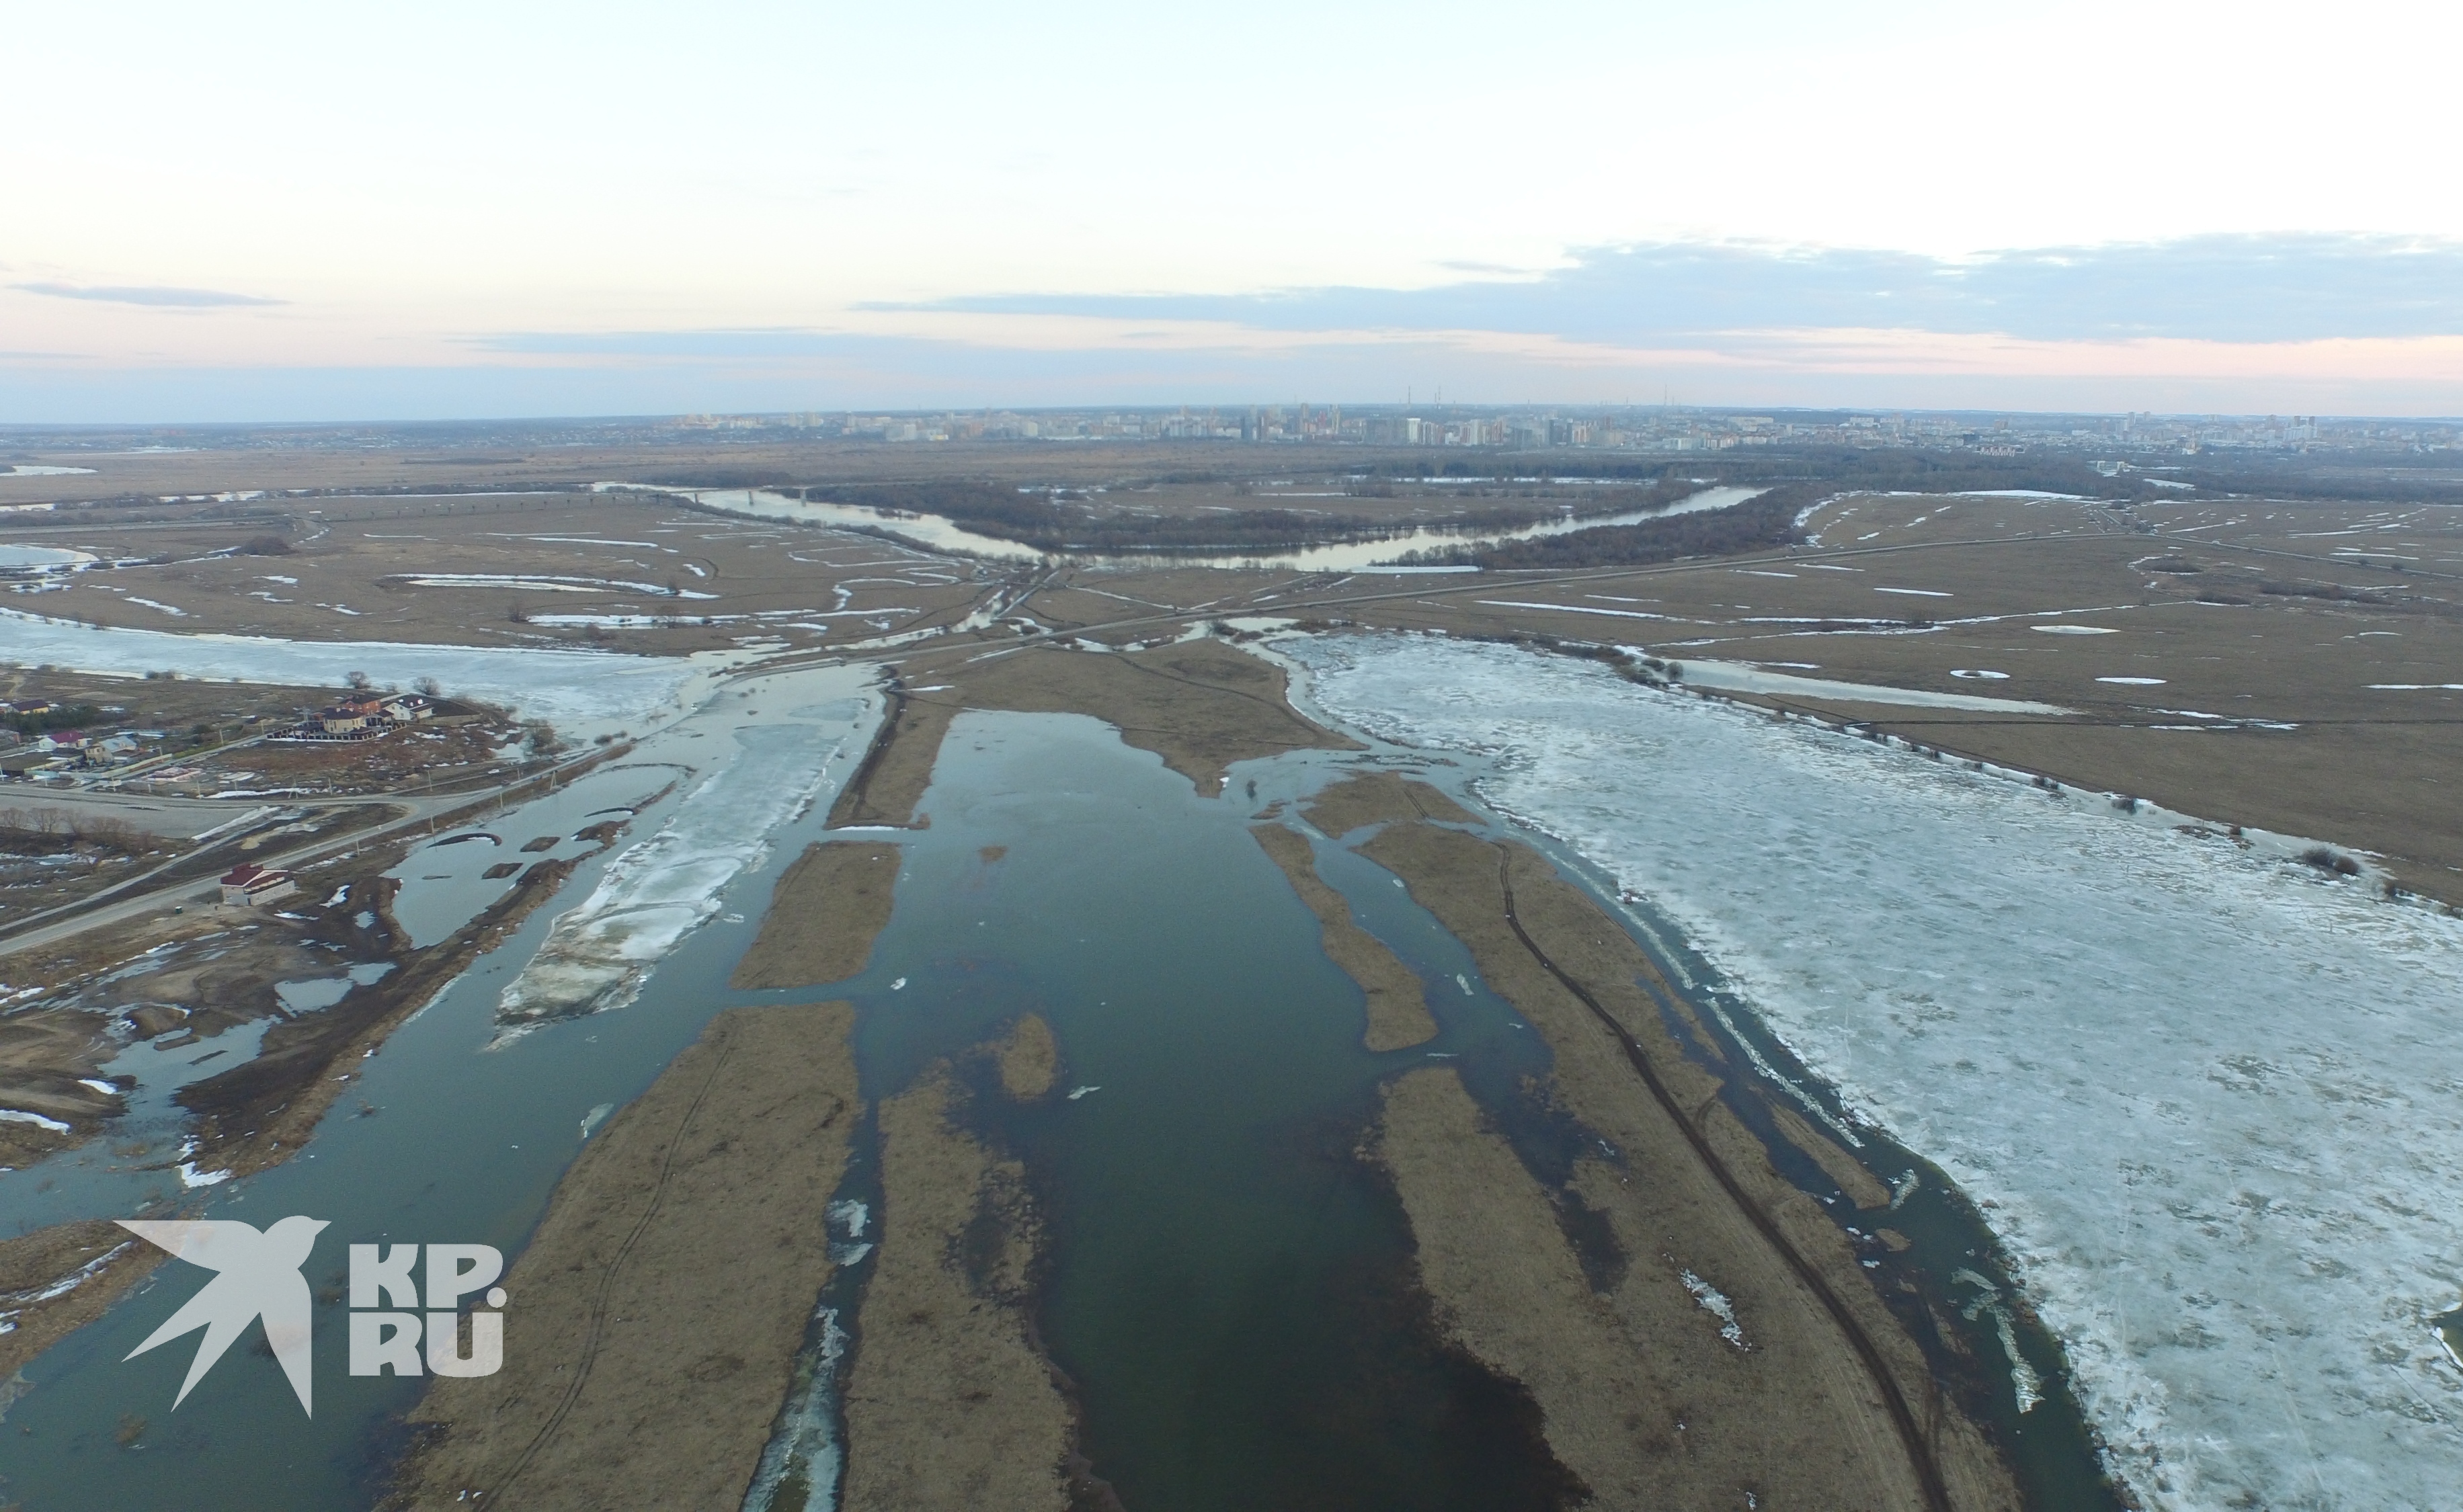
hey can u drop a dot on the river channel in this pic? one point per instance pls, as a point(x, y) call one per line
point(1345, 556)
point(1229, 1285)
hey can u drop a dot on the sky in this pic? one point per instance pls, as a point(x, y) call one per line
point(259, 212)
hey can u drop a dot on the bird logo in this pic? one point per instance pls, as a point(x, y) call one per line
point(259, 1278)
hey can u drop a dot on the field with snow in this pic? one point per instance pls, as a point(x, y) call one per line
point(2209, 1100)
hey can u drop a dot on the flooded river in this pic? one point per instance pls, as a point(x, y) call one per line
point(1228, 1284)
point(2209, 1096)
point(1346, 556)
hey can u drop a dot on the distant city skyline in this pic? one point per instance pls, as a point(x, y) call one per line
point(278, 212)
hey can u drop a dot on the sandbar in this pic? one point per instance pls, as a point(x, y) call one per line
point(1398, 1008)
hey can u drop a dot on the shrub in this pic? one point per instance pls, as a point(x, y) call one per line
point(2327, 859)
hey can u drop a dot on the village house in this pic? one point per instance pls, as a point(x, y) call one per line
point(363, 718)
point(248, 884)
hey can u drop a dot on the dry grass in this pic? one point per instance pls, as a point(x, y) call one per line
point(656, 1314)
point(1398, 1008)
point(1797, 1417)
point(1200, 705)
point(1378, 798)
point(950, 1406)
point(824, 913)
point(1030, 1059)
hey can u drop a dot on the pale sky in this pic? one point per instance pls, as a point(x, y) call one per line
point(263, 211)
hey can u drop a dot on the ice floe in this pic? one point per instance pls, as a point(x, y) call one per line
point(1714, 1301)
point(579, 691)
point(1740, 676)
point(653, 895)
point(2211, 1097)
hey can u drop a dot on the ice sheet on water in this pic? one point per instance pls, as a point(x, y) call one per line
point(652, 895)
point(2211, 1103)
point(571, 689)
point(598, 953)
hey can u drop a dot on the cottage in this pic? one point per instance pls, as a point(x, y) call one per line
point(351, 716)
point(248, 884)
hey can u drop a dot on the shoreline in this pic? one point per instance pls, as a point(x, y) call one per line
point(1712, 1204)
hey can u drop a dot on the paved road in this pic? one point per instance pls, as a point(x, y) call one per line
point(180, 818)
point(129, 898)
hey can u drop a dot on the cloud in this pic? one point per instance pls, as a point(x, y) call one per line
point(2234, 289)
point(151, 295)
point(754, 342)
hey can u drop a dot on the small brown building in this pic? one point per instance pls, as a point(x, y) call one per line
point(248, 884)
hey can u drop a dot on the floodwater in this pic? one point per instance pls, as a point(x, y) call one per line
point(42, 557)
point(582, 693)
point(1744, 677)
point(442, 1138)
point(948, 535)
point(445, 883)
point(2207, 1096)
point(1229, 1283)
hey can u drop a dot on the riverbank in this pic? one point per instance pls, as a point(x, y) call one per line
point(824, 912)
point(1751, 1336)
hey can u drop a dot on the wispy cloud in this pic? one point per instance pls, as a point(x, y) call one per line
point(152, 294)
point(756, 342)
point(2237, 289)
